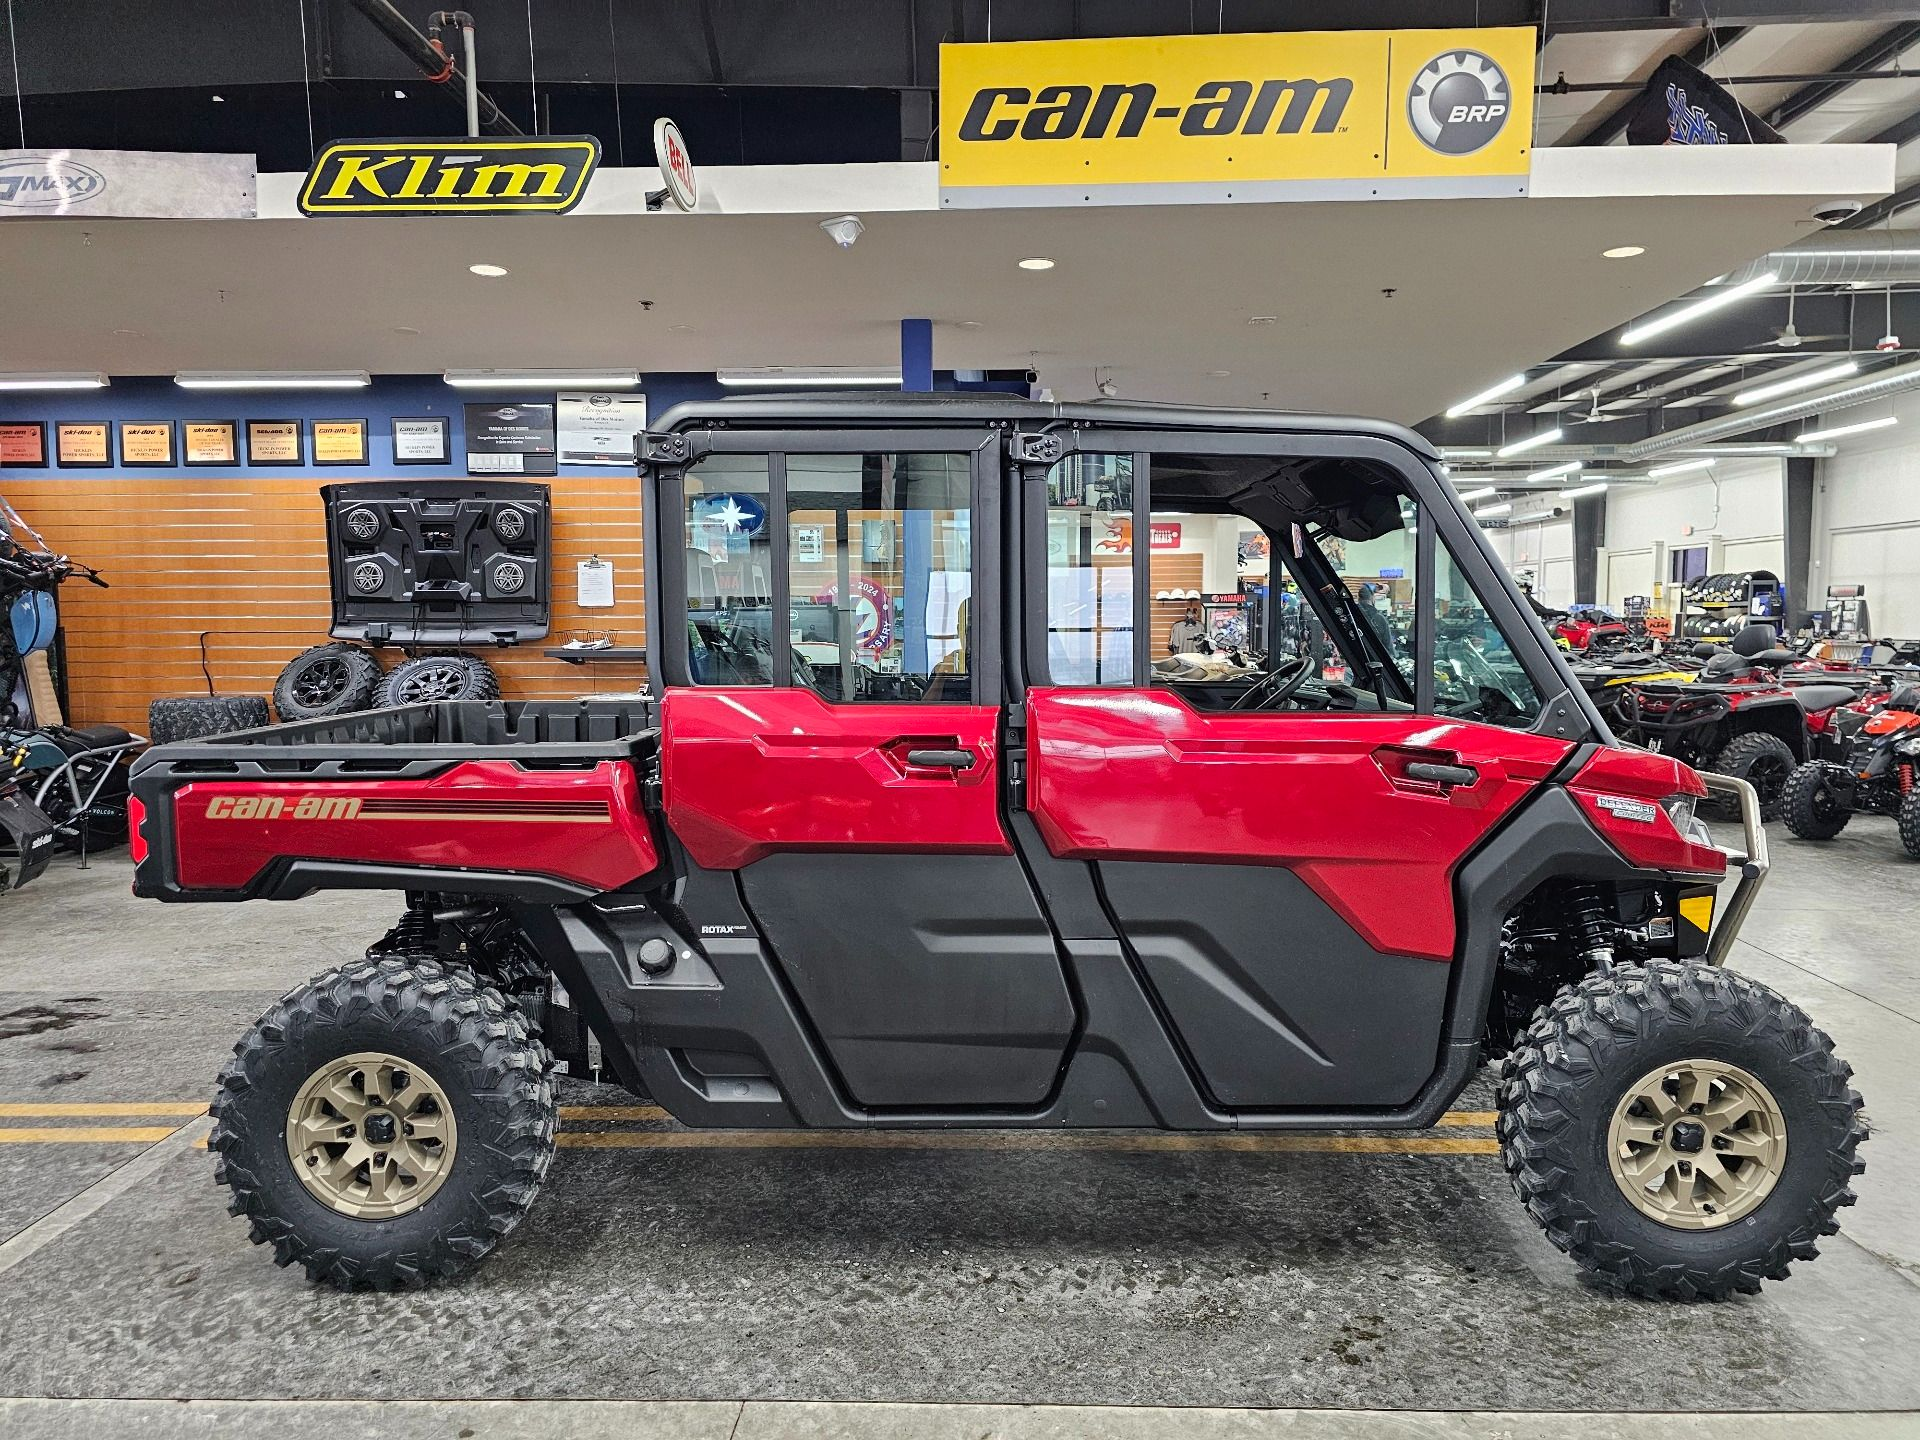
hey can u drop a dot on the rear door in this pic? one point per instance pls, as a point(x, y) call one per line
point(831, 737)
point(1282, 877)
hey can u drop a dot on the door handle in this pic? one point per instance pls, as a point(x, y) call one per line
point(941, 759)
point(1436, 774)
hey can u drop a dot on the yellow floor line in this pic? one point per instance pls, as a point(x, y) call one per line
point(41, 1110)
point(85, 1134)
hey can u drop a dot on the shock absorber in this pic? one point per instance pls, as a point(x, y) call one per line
point(1905, 773)
point(413, 933)
point(1589, 923)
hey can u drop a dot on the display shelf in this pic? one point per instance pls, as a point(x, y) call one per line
point(603, 654)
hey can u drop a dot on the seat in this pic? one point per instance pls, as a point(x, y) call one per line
point(75, 739)
point(1823, 697)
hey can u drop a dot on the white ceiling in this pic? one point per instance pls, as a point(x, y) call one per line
point(1156, 296)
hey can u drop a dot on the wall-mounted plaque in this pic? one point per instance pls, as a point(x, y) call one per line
point(420, 441)
point(146, 442)
point(339, 442)
point(210, 442)
point(510, 440)
point(273, 442)
point(83, 443)
point(23, 443)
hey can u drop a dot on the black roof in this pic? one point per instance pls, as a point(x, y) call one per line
point(881, 407)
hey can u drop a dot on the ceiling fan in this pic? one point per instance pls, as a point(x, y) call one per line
point(1788, 338)
point(1594, 415)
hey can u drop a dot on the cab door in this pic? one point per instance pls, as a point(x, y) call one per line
point(1281, 878)
point(831, 729)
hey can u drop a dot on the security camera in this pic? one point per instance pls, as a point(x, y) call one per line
point(1033, 377)
point(845, 229)
point(1108, 388)
point(1832, 212)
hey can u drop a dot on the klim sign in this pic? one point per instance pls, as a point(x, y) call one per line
point(450, 177)
point(1196, 118)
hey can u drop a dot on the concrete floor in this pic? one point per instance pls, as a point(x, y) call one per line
point(1032, 1273)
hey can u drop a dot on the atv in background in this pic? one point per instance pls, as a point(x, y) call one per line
point(1880, 776)
point(1738, 717)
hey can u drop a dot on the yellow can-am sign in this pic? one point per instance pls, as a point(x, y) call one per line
point(450, 177)
point(1197, 118)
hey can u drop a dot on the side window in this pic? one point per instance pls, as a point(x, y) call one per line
point(729, 571)
point(1379, 575)
point(880, 572)
point(1475, 673)
point(1090, 610)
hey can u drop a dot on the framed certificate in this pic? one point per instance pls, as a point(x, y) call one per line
point(146, 442)
point(421, 441)
point(339, 442)
point(23, 444)
point(83, 443)
point(273, 442)
point(210, 442)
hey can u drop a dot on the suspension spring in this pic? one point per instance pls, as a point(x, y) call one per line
point(1589, 923)
point(1906, 779)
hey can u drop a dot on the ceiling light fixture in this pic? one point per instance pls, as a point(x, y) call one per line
point(1036, 262)
point(778, 376)
point(1660, 472)
point(1855, 429)
point(1465, 452)
point(1505, 507)
point(1777, 388)
point(273, 379)
point(1469, 496)
point(1569, 468)
point(1706, 305)
point(1263, 319)
point(1623, 252)
point(492, 272)
point(54, 380)
point(576, 379)
point(1532, 442)
point(1494, 392)
point(1580, 492)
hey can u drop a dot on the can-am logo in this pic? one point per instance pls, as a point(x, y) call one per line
point(428, 177)
point(1459, 102)
point(1218, 107)
point(276, 807)
point(49, 182)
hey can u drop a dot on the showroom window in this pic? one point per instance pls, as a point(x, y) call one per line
point(729, 569)
point(1090, 591)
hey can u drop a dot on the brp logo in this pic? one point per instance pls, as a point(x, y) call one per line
point(1459, 102)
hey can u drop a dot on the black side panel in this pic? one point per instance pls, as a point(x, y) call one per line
point(931, 980)
point(1277, 1000)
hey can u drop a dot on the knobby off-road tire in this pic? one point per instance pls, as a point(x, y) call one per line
point(470, 1046)
point(326, 680)
point(1910, 823)
point(449, 676)
point(194, 717)
point(1598, 1042)
point(1764, 761)
point(1814, 807)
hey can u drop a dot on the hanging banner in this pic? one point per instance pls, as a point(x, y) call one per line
point(1185, 119)
point(1683, 105)
point(128, 184)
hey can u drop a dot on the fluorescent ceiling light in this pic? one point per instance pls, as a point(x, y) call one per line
point(1469, 496)
point(1464, 452)
point(1494, 392)
point(1660, 472)
point(1532, 442)
point(1505, 507)
point(1762, 447)
point(543, 379)
point(54, 380)
point(775, 376)
point(1582, 491)
point(273, 379)
point(1834, 434)
point(1706, 305)
point(1797, 382)
point(1567, 469)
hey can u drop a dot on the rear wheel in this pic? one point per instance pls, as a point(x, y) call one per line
point(1910, 823)
point(1681, 1131)
point(385, 1125)
point(1764, 761)
point(1815, 802)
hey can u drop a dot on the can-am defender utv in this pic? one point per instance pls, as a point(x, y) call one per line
point(912, 833)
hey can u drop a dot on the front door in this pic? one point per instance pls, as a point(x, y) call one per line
point(1230, 724)
point(831, 729)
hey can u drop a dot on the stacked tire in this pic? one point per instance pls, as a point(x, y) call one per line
point(195, 717)
point(327, 680)
point(450, 675)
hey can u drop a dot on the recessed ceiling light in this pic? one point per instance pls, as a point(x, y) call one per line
point(1624, 252)
point(969, 324)
point(1036, 262)
point(406, 329)
point(680, 329)
point(132, 334)
point(492, 272)
point(219, 99)
point(399, 94)
point(1219, 374)
point(1263, 319)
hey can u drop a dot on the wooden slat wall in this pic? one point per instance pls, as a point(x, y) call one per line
point(245, 560)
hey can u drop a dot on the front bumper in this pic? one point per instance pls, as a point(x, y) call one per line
point(1751, 861)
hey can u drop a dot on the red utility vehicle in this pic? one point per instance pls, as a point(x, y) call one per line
point(911, 832)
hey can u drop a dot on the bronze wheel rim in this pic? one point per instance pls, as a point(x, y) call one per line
point(371, 1136)
point(1697, 1144)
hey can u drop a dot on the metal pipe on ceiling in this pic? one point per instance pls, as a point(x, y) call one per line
point(1839, 257)
point(434, 63)
point(1896, 380)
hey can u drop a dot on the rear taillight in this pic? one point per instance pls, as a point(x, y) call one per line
point(1645, 806)
point(136, 830)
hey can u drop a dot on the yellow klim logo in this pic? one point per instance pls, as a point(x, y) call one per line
point(450, 177)
point(1198, 118)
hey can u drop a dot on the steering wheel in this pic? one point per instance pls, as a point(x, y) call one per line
point(1275, 686)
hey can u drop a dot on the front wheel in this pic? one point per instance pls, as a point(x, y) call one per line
point(385, 1125)
point(1681, 1131)
point(1764, 761)
point(1910, 823)
point(1815, 803)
